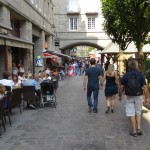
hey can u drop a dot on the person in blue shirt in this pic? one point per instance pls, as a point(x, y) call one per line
point(31, 82)
point(133, 85)
point(92, 78)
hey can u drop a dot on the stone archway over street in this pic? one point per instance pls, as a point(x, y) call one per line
point(81, 43)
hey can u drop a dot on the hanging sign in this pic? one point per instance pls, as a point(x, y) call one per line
point(39, 61)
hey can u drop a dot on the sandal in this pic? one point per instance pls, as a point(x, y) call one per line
point(112, 111)
point(139, 132)
point(107, 111)
point(134, 134)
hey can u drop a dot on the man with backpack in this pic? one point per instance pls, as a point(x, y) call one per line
point(133, 83)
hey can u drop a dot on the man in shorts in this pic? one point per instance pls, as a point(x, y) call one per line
point(92, 78)
point(133, 96)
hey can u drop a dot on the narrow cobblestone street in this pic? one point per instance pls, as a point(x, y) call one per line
point(71, 127)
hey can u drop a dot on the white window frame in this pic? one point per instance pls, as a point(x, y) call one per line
point(73, 28)
point(91, 23)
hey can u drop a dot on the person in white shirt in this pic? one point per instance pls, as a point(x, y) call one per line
point(48, 71)
point(5, 81)
point(21, 68)
point(21, 77)
point(14, 69)
point(16, 82)
point(47, 77)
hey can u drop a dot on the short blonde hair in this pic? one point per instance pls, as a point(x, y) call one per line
point(30, 76)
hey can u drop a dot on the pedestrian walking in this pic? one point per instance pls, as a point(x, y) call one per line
point(86, 65)
point(111, 88)
point(76, 69)
point(80, 67)
point(91, 81)
point(133, 83)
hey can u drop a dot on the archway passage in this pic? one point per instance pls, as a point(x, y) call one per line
point(70, 46)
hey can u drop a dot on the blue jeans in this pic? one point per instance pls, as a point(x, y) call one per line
point(89, 99)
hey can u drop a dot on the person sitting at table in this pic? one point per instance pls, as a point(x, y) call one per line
point(48, 71)
point(30, 82)
point(56, 73)
point(16, 82)
point(2, 94)
point(5, 81)
point(47, 77)
point(21, 77)
point(2, 90)
point(38, 80)
point(42, 75)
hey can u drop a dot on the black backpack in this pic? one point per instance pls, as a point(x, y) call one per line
point(133, 86)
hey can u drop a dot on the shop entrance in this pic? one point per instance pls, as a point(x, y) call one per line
point(17, 56)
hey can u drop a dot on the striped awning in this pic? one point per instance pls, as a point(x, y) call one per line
point(48, 55)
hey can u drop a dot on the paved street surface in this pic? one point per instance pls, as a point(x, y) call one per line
point(71, 127)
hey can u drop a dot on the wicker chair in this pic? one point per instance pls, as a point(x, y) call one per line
point(29, 96)
point(17, 98)
point(2, 113)
point(8, 88)
point(7, 109)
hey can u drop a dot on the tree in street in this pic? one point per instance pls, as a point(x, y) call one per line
point(127, 21)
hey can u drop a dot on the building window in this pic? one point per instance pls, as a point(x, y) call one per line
point(73, 22)
point(91, 23)
point(15, 24)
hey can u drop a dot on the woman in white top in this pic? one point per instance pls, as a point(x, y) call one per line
point(47, 77)
point(16, 82)
point(14, 69)
point(21, 68)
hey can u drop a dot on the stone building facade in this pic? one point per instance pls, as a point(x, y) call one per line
point(79, 22)
point(26, 28)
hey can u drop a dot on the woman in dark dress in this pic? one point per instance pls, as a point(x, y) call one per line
point(111, 87)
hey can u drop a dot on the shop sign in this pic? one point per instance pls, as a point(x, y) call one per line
point(56, 43)
point(39, 61)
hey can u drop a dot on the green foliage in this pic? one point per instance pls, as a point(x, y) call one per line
point(147, 69)
point(127, 21)
point(90, 49)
